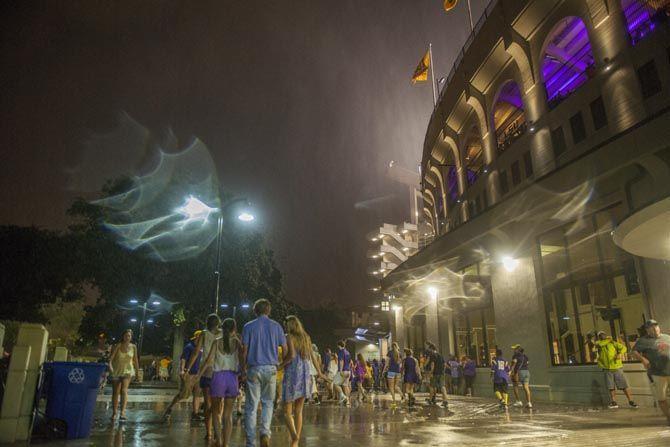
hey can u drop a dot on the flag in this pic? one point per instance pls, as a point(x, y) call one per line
point(421, 72)
point(449, 4)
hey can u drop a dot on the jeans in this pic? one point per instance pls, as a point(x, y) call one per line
point(261, 387)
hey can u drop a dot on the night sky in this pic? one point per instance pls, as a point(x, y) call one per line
point(302, 104)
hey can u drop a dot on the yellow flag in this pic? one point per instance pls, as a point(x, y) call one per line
point(421, 72)
point(449, 4)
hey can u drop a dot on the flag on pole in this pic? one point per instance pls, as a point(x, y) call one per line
point(449, 4)
point(421, 72)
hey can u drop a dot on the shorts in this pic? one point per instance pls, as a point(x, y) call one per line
point(224, 384)
point(437, 381)
point(660, 386)
point(205, 382)
point(500, 387)
point(522, 376)
point(342, 378)
point(615, 379)
point(392, 375)
point(469, 381)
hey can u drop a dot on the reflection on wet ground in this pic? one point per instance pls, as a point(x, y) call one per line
point(468, 421)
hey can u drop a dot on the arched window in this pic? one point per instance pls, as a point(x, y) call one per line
point(509, 119)
point(474, 158)
point(567, 61)
point(452, 184)
point(643, 16)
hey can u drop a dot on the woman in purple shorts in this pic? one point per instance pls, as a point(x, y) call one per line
point(225, 356)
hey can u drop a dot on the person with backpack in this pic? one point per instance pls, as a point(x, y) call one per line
point(437, 385)
point(610, 359)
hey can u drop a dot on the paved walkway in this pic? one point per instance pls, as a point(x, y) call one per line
point(469, 421)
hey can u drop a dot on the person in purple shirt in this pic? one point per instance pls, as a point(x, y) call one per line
point(261, 338)
point(469, 374)
point(500, 373)
point(341, 380)
point(456, 372)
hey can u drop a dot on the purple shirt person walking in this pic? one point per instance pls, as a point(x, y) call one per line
point(261, 338)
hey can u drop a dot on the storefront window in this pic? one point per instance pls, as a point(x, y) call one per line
point(589, 285)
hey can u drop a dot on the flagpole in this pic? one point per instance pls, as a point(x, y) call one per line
point(472, 26)
point(432, 73)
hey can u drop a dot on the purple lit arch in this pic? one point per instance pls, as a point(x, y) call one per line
point(509, 118)
point(567, 60)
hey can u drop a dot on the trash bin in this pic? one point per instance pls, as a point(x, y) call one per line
point(71, 389)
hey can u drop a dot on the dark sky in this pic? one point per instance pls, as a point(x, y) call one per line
point(301, 102)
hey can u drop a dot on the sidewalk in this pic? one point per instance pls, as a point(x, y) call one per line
point(468, 421)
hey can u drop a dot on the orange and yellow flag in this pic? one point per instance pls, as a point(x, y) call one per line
point(449, 4)
point(421, 72)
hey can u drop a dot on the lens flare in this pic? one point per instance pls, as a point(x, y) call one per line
point(165, 213)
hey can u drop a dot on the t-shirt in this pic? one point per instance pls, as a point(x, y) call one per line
point(262, 337)
point(455, 368)
point(344, 358)
point(438, 364)
point(657, 351)
point(470, 368)
point(500, 369)
point(521, 361)
point(186, 357)
point(394, 362)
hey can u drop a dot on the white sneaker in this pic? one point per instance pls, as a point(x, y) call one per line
point(529, 405)
point(518, 403)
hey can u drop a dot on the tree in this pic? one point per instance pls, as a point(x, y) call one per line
point(248, 273)
point(63, 320)
point(37, 267)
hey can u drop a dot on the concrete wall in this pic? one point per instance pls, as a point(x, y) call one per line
point(519, 315)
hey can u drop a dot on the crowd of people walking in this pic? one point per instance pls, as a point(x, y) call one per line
point(269, 366)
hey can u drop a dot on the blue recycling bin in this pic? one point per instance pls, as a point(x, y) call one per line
point(71, 389)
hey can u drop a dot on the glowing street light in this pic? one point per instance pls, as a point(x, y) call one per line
point(195, 209)
point(246, 217)
point(510, 263)
point(144, 306)
point(432, 291)
point(246, 306)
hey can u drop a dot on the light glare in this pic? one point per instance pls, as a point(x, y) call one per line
point(510, 263)
point(195, 209)
point(246, 217)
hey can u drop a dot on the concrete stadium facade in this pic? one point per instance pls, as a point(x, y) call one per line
point(546, 180)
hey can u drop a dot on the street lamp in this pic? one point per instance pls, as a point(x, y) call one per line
point(244, 306)
point(196, 210)
point(144, 319)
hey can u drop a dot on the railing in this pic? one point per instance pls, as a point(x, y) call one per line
point(466, 46)
point(513, 133)
point(642, 17)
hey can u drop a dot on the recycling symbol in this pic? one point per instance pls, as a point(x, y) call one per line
point(76, 375)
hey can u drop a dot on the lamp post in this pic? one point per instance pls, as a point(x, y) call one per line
point(244, 306)
point(144, 319)
point(196, 210)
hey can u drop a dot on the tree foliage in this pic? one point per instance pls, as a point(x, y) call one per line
point(42, 271)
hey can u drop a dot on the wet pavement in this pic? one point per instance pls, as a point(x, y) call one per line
point(468, 421)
